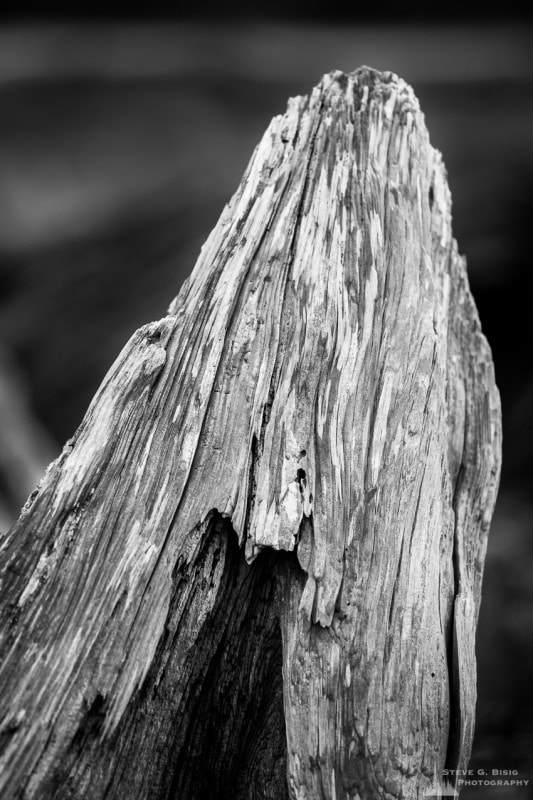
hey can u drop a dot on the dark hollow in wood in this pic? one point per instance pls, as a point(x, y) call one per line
point(255, 570)
point(211, 726)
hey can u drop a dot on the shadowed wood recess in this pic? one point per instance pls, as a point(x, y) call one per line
point(255, 570)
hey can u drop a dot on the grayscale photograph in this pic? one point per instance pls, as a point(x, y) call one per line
point(266, 403)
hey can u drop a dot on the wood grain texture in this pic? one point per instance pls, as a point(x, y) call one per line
point(320, 386)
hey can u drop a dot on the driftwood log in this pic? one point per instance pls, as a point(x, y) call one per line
point(255, 570)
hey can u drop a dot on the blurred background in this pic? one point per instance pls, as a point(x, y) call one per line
point(120, 142)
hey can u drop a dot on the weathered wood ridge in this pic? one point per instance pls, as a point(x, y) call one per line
point(320, 386)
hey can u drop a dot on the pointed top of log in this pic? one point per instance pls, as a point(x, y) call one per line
point(327, 272)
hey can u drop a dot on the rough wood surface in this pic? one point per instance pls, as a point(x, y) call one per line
point(320, 386)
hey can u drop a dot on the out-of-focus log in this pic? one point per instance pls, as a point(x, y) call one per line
point(320, 387)
point(25, 446)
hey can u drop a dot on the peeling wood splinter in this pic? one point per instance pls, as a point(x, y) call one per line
point(255, 570)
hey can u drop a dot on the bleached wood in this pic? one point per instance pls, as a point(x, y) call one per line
point(320, 386)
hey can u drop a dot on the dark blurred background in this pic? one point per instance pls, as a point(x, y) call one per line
point(120, 142)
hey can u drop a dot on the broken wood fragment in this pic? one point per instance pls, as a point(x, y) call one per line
point(255, 570)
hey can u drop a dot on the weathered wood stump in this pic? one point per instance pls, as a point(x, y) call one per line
point(255, 570)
